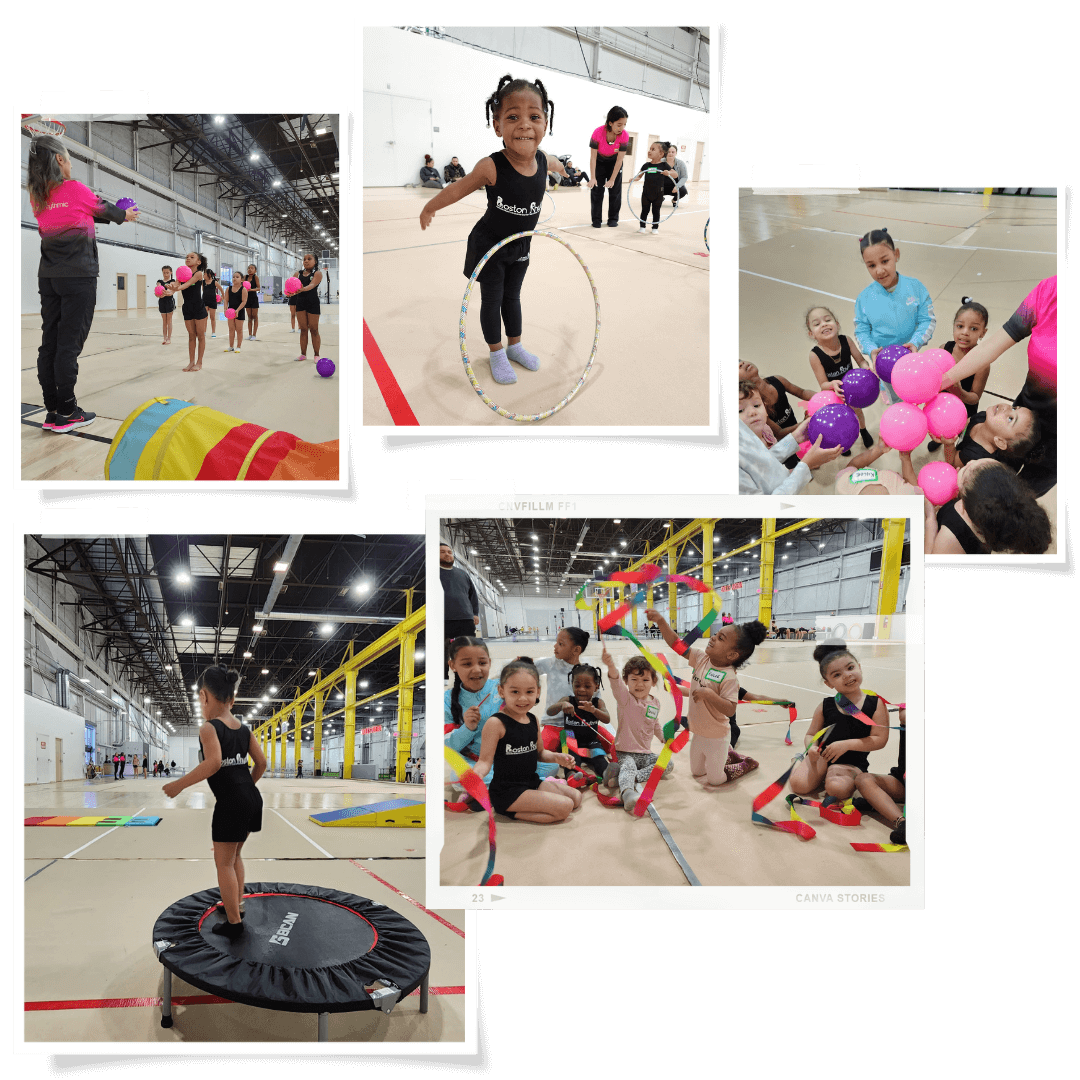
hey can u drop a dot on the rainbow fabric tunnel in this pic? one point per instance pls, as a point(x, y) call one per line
point(171, 439)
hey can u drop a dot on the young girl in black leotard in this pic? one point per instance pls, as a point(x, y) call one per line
point(773, 391)
point(194, 310)
point(236, 298)
point(307, 305)
point(211, 297)
point(166, 305)
point(583, 711)
point(832, 357)
point(510, 743)
point(252, 302)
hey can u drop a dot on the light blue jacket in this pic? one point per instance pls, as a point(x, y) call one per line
point(894, 318)
point(461, 738)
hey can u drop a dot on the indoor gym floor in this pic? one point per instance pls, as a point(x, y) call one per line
point(654, 305)
point(798, 250)
point(599, 845)
point(123, 364)
point(93, 894)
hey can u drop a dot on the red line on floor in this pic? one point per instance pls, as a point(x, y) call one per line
point(415, 903)
point(400, 412)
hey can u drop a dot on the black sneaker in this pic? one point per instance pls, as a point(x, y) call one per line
point(867, 438)
point(899, 834)
point(79, 418)
point(861, 805)
point(933, 445)
point(845, 453)
point(50, 422)
point(597, 225)
point(613, 224)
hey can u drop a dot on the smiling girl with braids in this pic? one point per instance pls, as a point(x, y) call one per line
point(515, 179)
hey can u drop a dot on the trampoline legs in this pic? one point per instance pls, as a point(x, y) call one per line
point(324, 1035)
point(166, 1001)
point(424, 990)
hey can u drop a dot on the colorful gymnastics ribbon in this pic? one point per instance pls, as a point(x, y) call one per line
point(880, 847)
point(475, 786)
point(844, 814)
point(799, 827)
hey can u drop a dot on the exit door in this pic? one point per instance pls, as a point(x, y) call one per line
point(140, 291)
point(121, 292)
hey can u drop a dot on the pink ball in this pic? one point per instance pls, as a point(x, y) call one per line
point(941, 358)
point(903, 426)
point(230, 313)
point(945, 416)
point(183, 274)
point(292, 286)
point(803, 447)
point(820, 400)
point(938, 482)
point(246, 284)
point(159, 290)
point(916, 379)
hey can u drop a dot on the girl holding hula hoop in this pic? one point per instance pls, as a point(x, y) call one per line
point(515, 181)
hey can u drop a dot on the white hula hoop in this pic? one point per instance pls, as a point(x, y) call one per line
point(663, 219)
point(525, 418)
point(548, 195)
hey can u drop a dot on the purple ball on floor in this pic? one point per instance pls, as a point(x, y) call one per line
point(325, 367)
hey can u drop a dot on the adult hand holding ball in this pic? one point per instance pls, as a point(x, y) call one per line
point(183, 274)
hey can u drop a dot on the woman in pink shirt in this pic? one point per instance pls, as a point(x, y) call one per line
point(1036, 319)
point(67, 274)
point(608, 146)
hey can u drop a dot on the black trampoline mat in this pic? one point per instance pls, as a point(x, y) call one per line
point(291, 930)
point(304, 948)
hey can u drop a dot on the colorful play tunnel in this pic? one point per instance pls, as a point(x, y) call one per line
point(171, 439)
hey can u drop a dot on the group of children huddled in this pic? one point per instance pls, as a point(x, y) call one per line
point(490, 722)
point(996, 445)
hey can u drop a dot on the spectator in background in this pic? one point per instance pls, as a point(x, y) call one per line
point(680, 167)
point(461, 605)
point(453, 171)
point(573, 176)
point(145, 762)
point(429, 175)
point(123, 762)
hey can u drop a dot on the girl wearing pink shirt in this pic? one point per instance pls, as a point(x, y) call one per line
point(713, 696)
point(67, 274)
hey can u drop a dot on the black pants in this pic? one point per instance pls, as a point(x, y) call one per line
point(500, 300)
point(604, 168)
point(653, 204)
point(669, 189)
point(67, 311)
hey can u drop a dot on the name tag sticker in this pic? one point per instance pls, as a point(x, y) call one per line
point(652, 711)
point(714, 675)
point(864, 476)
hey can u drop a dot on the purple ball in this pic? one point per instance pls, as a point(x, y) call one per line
point(325, 367)
point(886, 360)
point(861, 388)
point(126, 204)
point(837, 424)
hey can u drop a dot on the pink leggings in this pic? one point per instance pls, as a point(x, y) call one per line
point(708, 758)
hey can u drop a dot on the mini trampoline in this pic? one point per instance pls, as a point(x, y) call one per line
point(303, 949)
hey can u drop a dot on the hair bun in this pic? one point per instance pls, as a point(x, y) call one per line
point(965, 299)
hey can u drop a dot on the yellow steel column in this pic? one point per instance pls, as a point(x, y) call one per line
point(350, 722)
point(284, 746)
point(765, 578)
point(273, 749)
point(709, 599)
point(319, 699)
point(889, 576)
point(406, 669)
point(298, 719)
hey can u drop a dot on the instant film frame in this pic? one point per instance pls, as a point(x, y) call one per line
point(905, 513)
point(793, 181)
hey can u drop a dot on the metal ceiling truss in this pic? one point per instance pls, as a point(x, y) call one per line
point(135, 606)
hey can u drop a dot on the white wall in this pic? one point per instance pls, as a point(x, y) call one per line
point(414, 84)
point(183, 749)
point(50, 722)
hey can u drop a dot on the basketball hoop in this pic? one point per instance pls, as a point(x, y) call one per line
point(34, 125)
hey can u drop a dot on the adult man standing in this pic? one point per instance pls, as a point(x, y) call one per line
point(461, 605)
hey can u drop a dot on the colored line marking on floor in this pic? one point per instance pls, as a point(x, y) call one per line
point(101, 836)
point(304, 835)
point(400, 411)
point(672, 846)
point(77, 434)
point(405, 896)
point(796, 285)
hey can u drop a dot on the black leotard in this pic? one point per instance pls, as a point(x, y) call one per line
point(167, 302)
point(308, 301)
point(781, 413)
point(194, 308)
point(253, 292)
point(516, 756)
point(233, 299)
point(836, 367)
point(238, 810)
point(209, 294)
point(950, 518)
point(847, 727)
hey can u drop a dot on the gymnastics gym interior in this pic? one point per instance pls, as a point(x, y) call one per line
point(240, 189)
point(327, 633)
point(808, 580)
point(801, 249)
point(424, 93)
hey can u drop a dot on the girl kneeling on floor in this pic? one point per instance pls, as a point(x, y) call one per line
point(510, 744)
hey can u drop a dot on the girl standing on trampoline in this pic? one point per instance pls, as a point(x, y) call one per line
point(166, 305)
point(514, 178)
point(236, 296)
point(224, 747)
point(194, 310)
point(307, 305)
